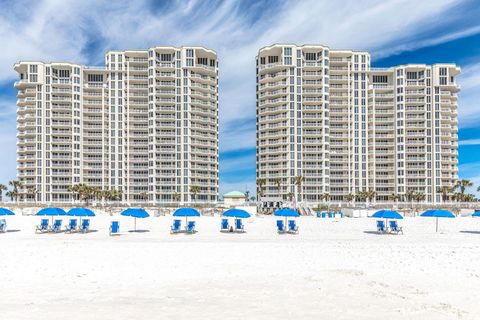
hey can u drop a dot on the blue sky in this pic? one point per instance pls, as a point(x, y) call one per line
point(394, 32)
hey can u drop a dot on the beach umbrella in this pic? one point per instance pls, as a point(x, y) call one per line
point(80, 212)
point(236, 213)
point(387, 214)
point(285, 212)
point(6, 212)
point(476, 214)
point(135, 213)
point(437, 213)
point(186, 212)
point(51, 212)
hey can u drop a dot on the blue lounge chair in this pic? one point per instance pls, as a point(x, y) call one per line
point(85, 227)
point(394, 227)
point(43, 227)
point(319, 215)
point(239, 227)
point(330, 215)
point(175, 228)
point(324, 214)
point(292, 226)
point(57, 226)
point(381, 226)
point(114, 228)
point(280, 226)
point(3, 225)
point(72, 226)
point(224, 226)
point(190, 228)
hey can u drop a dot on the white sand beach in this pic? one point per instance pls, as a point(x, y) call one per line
point(330, 270)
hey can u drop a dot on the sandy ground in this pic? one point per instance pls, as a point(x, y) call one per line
point(330, 270)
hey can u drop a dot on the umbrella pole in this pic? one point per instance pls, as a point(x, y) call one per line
point(436, 228)
point(135, 224)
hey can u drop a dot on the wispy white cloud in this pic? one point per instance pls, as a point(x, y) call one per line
point(469, 97)
point(469, 142)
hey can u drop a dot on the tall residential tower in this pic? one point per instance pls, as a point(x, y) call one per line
point(146, 124)
point(327, 116)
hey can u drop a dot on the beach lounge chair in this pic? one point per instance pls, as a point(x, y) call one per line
point(381, 227)
point(175, 228)
point(292, 226)
point(330, 215)
point(239, 227)
point(57, 226)
point(190, 228)
point(3, 225)
point(224, 226)
point(394, 227)
point(43, 227)
point(114, 228)
point(324, 214)
point(72, 226)
point(85, 227)
point(280, 226)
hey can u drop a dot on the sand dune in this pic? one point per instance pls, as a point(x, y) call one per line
point(330, 270)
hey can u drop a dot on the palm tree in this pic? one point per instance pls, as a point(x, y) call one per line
point(10, 194)
point(32, 192)
point(394, 197)
point(2, 188)
point(278, 183)
point(298, 182)
point(370, 194)
point(419, 196)
point(144, 196)
point(260, 185)
point(362, 196)
point(290, 196)
point(446, 191)
point(326, 197)
point(15, 184)
point(464, 184)
point(176, 196)
point(349, 197)
point(410, 195)
point(194, 190)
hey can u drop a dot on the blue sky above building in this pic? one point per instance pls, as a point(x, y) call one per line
point(394, 32)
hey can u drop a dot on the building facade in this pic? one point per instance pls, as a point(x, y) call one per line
point(146, 124)
point(327, 116)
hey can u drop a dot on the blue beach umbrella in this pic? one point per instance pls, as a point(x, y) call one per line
point(387, 214)
point(135, 213)
point(80, 212)
point(438, 213)
point(286, 213)
point(51, 212)
point(236, 213)
point(186, 212)
point(6, 212)
point(476, 214)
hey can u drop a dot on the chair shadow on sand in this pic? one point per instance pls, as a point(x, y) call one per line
point(375, 233)
point(138, 231)
point(468, 231)
point(14, 230)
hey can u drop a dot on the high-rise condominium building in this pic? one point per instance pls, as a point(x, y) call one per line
point(146, 124)
point(327, 116)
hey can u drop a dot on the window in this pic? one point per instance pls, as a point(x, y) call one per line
point(310, 56)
